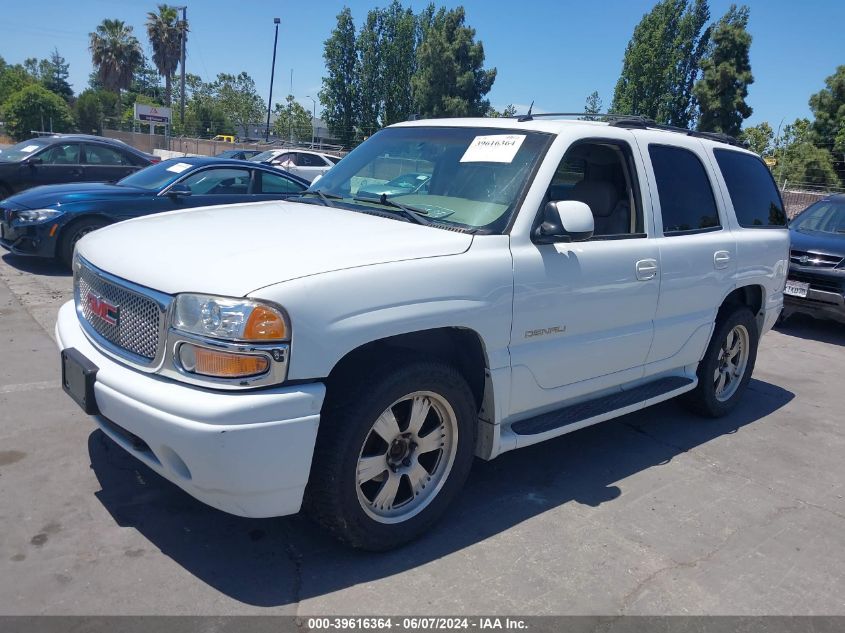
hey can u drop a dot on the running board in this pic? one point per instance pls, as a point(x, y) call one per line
point(584, 413)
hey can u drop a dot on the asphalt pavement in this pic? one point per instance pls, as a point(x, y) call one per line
point(658, 512)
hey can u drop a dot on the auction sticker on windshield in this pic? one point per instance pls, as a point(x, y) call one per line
point(30, 148)
point(498, 148)
point(178, 167)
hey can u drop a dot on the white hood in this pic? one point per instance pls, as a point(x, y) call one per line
point(235, 249)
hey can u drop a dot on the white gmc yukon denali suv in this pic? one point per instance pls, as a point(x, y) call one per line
point(450, 289)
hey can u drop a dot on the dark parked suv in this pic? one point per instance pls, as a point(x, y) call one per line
point(53, 160)
point(816, 283)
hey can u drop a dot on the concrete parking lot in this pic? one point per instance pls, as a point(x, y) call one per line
point(656, 513)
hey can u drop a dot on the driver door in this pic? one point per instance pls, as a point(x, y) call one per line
point(58, 164)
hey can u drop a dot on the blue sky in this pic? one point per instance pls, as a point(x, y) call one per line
point(554, 52)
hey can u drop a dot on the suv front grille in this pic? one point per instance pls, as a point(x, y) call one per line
point(818, 260)
point(134, 325)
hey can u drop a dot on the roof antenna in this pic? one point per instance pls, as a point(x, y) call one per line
point(527, 117)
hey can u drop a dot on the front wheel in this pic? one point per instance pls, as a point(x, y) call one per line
point(391, 454)
point(72, 234)
point(726, 368)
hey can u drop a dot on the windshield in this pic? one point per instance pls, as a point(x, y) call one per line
point(475, 176)
point(22, 150)
point(156, 177)
point(260, 158)
point(826, 216)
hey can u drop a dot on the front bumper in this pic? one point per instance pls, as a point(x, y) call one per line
point(33, 240)
point(246, 453)
point(825, 296)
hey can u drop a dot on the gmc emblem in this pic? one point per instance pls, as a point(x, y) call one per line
point(101, 308)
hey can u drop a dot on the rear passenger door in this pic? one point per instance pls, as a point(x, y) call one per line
point(105, 164)
point(697, 249)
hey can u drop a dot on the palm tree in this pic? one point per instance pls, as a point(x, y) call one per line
point(116, 54)
point(165, 31)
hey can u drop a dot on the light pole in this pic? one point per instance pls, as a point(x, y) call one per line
point(272, 76)
point(313, 116)
point(182, 66)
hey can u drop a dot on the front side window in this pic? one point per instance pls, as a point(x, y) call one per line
point(309, 160)
point(601, 175)
point(223, 181)
point(686, 197)
point(61, 154)
point(475, 177)
point(752, 190)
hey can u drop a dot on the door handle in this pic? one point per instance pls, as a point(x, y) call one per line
point(75, 172)
point(646, 269)
point(721, 259)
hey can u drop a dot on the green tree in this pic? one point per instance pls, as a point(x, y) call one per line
point(450, 79)
point(36, 108)
point(368, 74)
point(593, 105)
point(89, 113)
point(828, 107)
point(493, 113)
point(397, 62)
point(115, 53)
point(13, 78)
point(337, 95)
point(758, 138)
point(238, 100)
point(165, 31)
point(661, 62)
point(292, 121)
point(726, 75)
point(54, 73)
point(800, 161)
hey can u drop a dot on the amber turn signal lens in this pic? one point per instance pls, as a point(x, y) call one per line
point(265, 324)
point(210, 362)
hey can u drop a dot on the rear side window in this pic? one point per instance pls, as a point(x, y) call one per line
point(753, 192)
point(686, 197)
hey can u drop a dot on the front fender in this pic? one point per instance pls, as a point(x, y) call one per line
point(334, 313)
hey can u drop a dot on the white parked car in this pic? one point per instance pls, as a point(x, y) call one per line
point(357, 352)
point(303, 163)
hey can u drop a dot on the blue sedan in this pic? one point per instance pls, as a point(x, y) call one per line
point(48, 221)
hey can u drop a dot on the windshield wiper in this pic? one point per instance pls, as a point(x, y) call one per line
point(412, 213)
point(325, 198)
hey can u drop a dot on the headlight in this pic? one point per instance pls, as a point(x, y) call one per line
point(230, 319)
point(35, 216)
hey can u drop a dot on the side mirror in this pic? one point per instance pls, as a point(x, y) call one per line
point(565, 221)
point(32, 162)
point(316, 178)
point(179, 191)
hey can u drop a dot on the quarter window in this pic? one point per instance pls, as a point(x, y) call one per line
point(272, 183)
point(753, 192)
point(686, 197)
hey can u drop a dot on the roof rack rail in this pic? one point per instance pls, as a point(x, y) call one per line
point(645, 123)
point(590, 116)
point(633, 121)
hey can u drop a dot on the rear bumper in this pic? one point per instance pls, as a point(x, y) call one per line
point(246, 453)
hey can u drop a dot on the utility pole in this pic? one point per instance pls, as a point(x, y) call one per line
point(272, 77)
point(290, 114)
point(182, 67)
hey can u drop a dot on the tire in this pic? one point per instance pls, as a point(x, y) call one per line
point(72, 234)
point(403, 488)
point(722, 377)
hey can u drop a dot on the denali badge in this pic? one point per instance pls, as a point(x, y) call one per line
point(99, 307)
point(545, 331)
